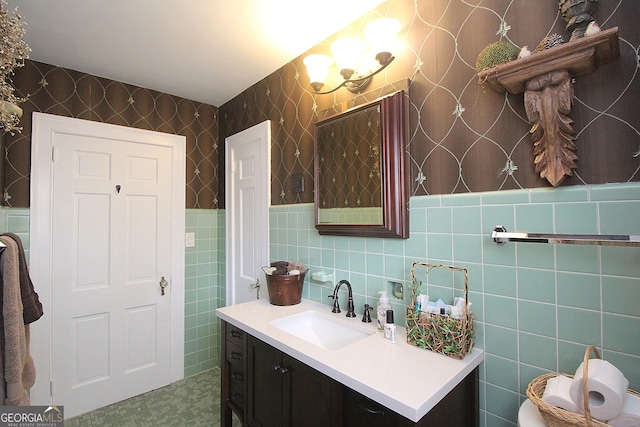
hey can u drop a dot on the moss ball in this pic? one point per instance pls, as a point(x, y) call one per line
point(495, 54)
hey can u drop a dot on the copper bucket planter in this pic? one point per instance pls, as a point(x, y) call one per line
point(285, 289)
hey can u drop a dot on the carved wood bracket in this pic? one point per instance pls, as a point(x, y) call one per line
point(547, 101)
point(545, 79)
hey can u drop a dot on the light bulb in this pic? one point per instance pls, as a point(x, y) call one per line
point(317, 69)
point(346, 52)
point(381, 35)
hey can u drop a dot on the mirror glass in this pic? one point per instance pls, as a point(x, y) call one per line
point(360, 173)
point(349, 179)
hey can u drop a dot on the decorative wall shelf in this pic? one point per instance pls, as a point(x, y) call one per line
point(545, 78)
point(580, 57)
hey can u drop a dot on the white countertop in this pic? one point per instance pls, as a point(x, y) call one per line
point(405, 378)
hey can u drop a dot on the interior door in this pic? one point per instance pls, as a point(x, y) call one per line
point(112, 270)
point(247, 198)
point(111, 209)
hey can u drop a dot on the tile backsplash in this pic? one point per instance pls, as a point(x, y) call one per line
point(537, 306)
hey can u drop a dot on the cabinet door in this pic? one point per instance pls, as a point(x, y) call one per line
point(309, 396)
point(265, 384)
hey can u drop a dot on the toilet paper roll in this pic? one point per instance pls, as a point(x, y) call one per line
point(607, 388)
point(556, 393)
point(630, 415)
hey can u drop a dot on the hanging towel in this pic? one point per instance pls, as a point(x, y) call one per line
point(32, 308)
point(17, 375)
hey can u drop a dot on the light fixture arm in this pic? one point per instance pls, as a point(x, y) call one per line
point(384, 63)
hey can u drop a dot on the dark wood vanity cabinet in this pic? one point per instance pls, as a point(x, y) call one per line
point(287, 392)
point(266, 387)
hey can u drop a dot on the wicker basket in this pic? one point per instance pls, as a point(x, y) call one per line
point(443, 334)
point(557, 417)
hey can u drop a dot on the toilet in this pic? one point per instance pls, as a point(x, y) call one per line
point(529, 416)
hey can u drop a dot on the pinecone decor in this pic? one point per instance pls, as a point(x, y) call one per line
point(554, 39)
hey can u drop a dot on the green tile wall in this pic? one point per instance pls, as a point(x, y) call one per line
point(204, 271)
point(537, 306)
point(16, 220)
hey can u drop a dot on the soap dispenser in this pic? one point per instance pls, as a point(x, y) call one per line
point(383, 306)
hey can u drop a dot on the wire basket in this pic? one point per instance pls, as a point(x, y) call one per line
point(443, 334)
point(557, 417)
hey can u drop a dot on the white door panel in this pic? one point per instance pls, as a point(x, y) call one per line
point(142, 239)
point(90, 251)
point(90, 338)
point(142, 337)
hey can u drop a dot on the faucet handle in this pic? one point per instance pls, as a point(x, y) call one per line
point(351, 310)
point(366, 317)
point(336, 306)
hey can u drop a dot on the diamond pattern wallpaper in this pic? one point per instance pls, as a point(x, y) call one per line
point(63, 92)
point(464, 137)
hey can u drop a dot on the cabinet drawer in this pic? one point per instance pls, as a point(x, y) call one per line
point(235, 355)
point(237, 374)
point(237, 395)
point(236, 336)
point(362, 411)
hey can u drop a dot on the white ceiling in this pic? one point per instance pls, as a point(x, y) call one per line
point(203, 50)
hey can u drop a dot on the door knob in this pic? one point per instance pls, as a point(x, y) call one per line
point(256, 286)
point(163, 284)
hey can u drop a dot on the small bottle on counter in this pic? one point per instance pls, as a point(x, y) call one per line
point(390, 328)
point(383, 306)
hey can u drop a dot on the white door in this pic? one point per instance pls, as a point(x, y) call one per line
point(247, 199)
point(111, 249)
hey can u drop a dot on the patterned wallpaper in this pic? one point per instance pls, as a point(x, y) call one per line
point(64, 92)
point(464, 137)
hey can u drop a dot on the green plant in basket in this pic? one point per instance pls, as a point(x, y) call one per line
point(415, 286)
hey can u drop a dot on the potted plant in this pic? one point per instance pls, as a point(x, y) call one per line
point(13, 51)
point(495, 54)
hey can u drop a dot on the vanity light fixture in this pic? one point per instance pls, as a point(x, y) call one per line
point(348, 54)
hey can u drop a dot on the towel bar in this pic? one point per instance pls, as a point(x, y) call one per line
point(501, 236)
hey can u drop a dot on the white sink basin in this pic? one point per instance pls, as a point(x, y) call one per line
point(323, 330)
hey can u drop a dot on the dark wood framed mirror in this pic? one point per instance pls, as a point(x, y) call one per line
point(360, 184)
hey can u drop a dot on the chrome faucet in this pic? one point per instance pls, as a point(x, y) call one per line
point(336, 306)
